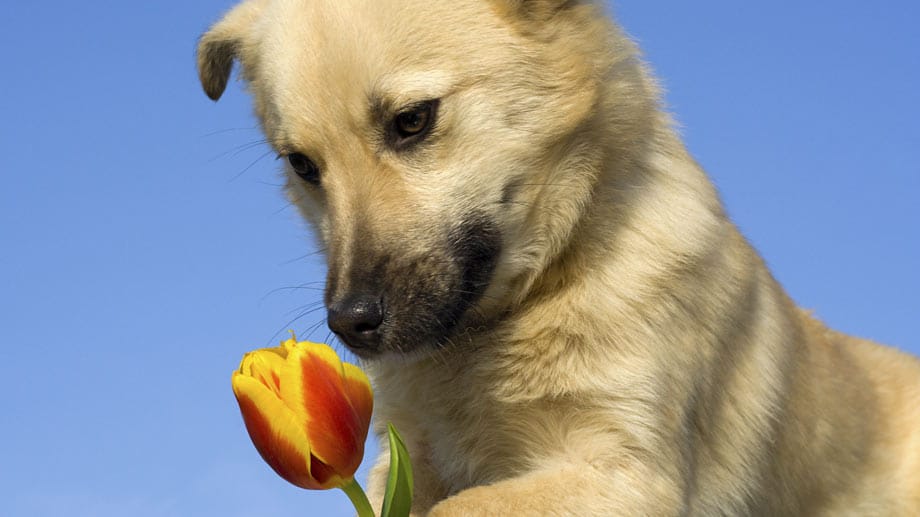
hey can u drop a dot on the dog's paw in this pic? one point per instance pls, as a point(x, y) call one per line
point(474, 502)
point(449, 509)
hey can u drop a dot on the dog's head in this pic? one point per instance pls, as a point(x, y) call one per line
point(430, 142)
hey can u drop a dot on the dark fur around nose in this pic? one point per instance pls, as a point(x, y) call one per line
point(356, 320)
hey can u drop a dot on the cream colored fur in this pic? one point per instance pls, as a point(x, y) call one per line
point(634, 356)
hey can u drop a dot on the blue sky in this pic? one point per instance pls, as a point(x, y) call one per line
point(146, 245)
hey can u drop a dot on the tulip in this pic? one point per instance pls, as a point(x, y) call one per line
point(307, 414)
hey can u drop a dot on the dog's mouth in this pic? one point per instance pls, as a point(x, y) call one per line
point(410, 304)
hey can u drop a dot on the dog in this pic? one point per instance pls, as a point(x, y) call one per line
point(543, 285)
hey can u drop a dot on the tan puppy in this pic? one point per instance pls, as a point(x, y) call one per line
point(546, 291)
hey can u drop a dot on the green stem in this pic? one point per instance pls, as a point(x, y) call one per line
point(358, 498)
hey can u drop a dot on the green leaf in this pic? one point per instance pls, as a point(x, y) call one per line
point(397, 501)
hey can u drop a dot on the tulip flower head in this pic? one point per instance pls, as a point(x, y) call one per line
point(306, 412)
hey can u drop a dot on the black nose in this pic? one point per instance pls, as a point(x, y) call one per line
point(356, 320)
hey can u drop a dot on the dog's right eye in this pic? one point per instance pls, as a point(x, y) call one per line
point(304, 167)
point(413, 124)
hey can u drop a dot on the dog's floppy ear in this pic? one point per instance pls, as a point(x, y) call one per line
point(222, 44)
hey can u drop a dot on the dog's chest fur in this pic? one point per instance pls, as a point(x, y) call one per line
point(467, 435)
point(481, 412)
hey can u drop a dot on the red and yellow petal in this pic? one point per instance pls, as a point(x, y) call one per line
point(313, 387)
point(264, 365)
point(359, 393)
point(277, 433)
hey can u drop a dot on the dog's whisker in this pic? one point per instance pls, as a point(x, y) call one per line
point(309, 331)
point(306, 312)
point(239, 149)
point(289, 288)
point(291, 203)
point(284, 208)
point(268, 184)
point(228, 130)
point(251, 165)
point(319, 251)
point(331, 337)
point(246, 147)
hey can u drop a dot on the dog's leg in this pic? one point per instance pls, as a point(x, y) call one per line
point(630, 488)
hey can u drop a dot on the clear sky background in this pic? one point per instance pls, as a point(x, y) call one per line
point(145, 244)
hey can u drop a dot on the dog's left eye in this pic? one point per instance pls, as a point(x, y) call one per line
point(414, 123)
point(304, 167)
